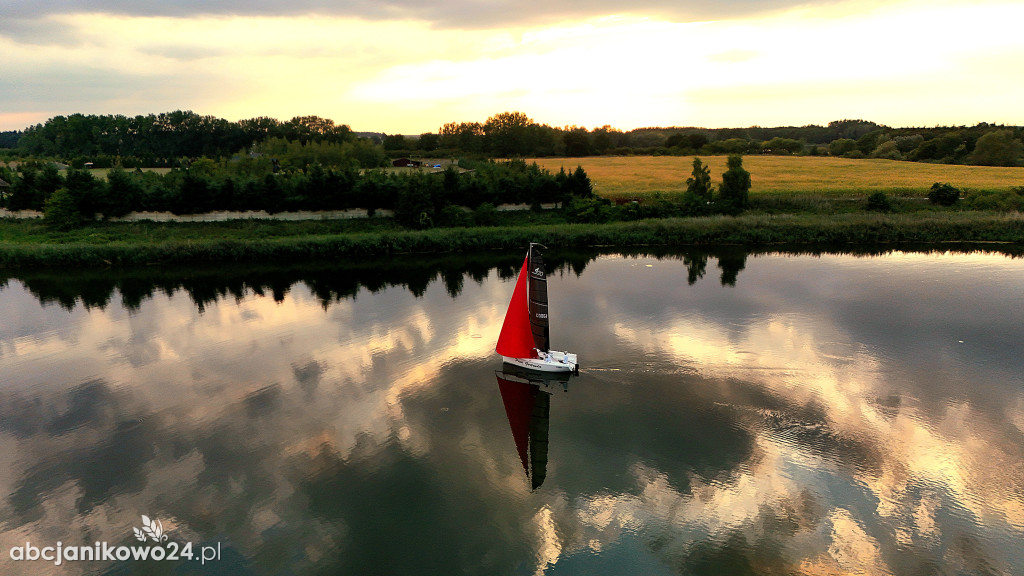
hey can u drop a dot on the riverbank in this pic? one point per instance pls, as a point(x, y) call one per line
point(24, 245)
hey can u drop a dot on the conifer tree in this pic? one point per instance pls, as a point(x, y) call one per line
point(700, 183)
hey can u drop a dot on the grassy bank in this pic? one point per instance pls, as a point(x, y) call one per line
point(22, 246)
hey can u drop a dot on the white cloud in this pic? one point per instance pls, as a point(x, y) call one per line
point(890, 63)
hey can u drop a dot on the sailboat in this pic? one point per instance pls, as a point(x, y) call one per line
point(525, 334)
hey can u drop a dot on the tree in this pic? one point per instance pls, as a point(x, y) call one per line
point(779, 145)
point(997, 148)
point(728, 146)
point(577, 141)
point(428, 142)
point(465, 136)
point(578, 185)
point(842, 146)
point(88, 193)
point(25, 193)
point(888, 149)
point(316, 129)
point(507, 133)
point(700, 183)
point(733, 194)
point(606, 137)
point(61, 211)
point(868, 142)
point(395, 142)
point(851, 129)
point(414, 208)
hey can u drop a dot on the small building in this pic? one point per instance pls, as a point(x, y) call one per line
point(406, 163)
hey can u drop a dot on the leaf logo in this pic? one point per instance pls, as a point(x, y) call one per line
point(154, 529)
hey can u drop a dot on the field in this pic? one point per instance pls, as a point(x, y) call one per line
point(636, 176)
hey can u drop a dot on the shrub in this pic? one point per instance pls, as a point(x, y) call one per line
point(486, 215)
point(879, 202)
point(589, 210)
point(454, 216)
point(943, 194)
point(694, 205)
point(1003, 200)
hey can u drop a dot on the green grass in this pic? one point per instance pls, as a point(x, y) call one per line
point(135, 244)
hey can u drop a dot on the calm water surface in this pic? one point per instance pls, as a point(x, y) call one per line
point(769, 414)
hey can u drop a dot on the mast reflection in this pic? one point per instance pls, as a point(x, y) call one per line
point(527, 399)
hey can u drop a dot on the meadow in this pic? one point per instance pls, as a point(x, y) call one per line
point(638, 176)
point(630, 177)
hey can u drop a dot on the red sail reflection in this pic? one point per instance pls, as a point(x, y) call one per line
point(528, 409)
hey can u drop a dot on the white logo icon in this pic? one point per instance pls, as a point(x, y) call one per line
point(153, 529)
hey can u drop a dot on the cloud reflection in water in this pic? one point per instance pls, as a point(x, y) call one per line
point(770, 424)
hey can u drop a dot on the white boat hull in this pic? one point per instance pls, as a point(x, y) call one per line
point(554, 362)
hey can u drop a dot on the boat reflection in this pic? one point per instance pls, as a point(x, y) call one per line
point(527, 398)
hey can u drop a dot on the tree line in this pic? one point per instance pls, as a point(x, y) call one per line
point(157, 140)
point(455, 196)
point(164, 139)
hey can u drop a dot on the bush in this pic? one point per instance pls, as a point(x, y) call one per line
point(452, 216)
point(943, 194)
point(589, 210)
point(879, 202)
point(1002, 201)
point(486, 215)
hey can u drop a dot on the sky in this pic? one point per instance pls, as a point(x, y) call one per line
point(399, 66)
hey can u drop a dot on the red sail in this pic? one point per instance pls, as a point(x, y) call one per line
point(516, 338)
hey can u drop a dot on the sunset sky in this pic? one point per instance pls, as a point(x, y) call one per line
point(400, 66)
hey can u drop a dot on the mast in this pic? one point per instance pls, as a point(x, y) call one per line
point(538, 298)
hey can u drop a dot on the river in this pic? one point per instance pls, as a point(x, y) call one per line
point(735, 413)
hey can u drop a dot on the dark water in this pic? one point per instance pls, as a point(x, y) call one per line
point(736, 414)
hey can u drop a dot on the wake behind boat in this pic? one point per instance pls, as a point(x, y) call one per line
point(525, 334)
